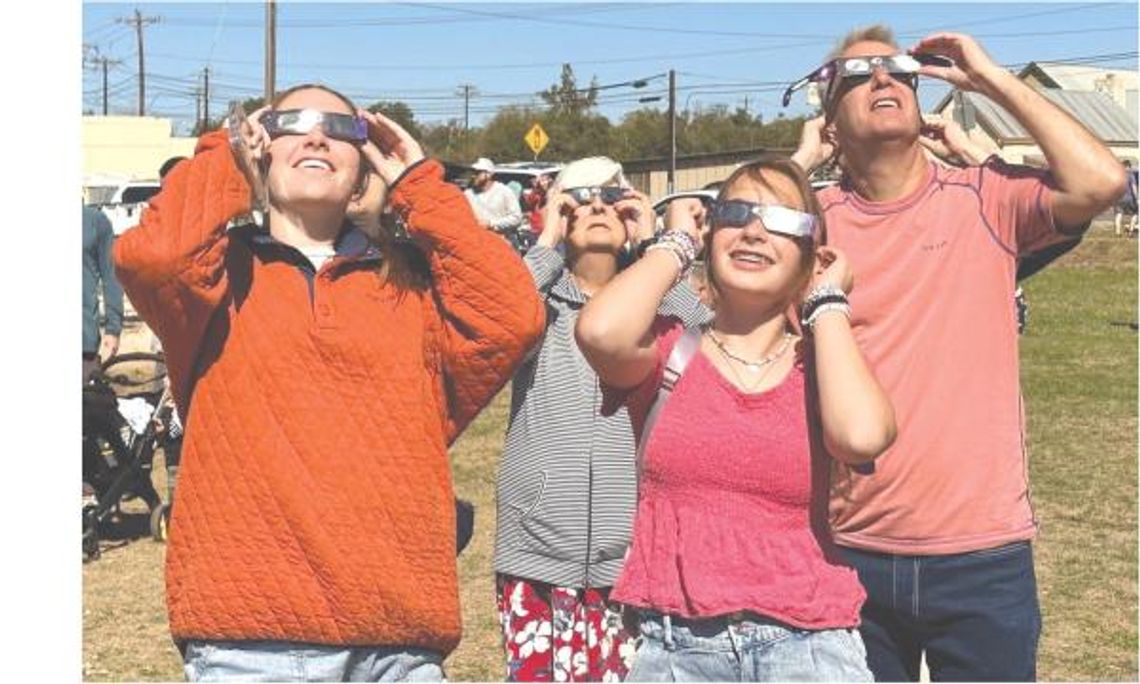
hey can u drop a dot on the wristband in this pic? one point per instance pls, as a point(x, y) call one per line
point(810, 319)
point(824, 290)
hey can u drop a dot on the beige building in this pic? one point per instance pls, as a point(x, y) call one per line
point(694, 172)
point(128, 147)
point(1103, 100)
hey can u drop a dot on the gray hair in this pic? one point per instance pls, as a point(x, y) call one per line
point(879, 33)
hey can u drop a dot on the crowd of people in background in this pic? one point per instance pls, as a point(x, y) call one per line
point(805, 463)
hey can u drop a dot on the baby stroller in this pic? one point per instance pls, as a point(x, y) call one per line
point(126, 412)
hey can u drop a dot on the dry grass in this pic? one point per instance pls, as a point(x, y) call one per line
point(1080, 379)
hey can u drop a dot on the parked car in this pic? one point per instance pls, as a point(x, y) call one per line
point(524, 173)
point(123, 203)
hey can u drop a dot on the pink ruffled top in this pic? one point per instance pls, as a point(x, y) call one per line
point(732, 502)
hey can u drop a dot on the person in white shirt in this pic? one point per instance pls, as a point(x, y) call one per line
point(496, 207)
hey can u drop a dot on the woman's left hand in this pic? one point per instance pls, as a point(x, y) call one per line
point(832, 268)
point(636, 214)
point(389, 148)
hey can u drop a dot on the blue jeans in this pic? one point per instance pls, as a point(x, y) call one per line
point(282, 661)
point(747, 650)
point(975, 614)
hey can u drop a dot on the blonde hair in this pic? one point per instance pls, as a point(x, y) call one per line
point(591, 171)
point(879, 33)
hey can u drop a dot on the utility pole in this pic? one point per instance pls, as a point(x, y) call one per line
point(270, 49)
point(198, 110)
point(672, 131)
point(205, 98)
point(107, 62)
point(468, 90)
point(138, 22)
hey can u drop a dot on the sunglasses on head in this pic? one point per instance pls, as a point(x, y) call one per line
point(346, 127)
point(776, 219)
point(902, 67)
point(608, 194)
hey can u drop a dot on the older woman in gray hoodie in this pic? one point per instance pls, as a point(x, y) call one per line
point(567, 485)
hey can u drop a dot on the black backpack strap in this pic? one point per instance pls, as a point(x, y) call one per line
point(683, 352)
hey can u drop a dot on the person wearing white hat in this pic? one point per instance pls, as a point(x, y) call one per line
point(495, 205)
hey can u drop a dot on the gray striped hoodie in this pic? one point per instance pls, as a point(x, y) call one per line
point(567, 488)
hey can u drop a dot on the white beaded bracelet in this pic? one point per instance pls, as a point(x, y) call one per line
point(843, 308)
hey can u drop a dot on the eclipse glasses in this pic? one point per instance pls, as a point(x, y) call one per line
point(608, 194)
point(346, 127)
point(776, 219)
point(901, 67)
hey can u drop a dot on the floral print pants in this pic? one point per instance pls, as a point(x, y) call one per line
point(559, 634)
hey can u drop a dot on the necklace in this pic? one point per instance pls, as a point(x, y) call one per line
point(754, 366)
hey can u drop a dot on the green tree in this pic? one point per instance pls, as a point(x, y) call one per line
point(642, 134)
point(448, 141)
point(401, 114)
point(567, 98)
point(501, 138)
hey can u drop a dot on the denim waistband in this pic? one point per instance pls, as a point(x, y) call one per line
point(719, 633)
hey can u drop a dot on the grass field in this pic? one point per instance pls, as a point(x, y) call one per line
point(1079, 376)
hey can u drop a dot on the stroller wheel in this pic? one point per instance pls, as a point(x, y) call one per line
point(91, 549)
point(160, 522)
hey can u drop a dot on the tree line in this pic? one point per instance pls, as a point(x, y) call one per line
point(576, 130)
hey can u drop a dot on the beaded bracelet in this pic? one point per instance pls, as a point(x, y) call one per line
point(682, 246)
point(810, 319)
point(821, 291)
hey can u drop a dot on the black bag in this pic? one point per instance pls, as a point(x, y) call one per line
point(464, 524)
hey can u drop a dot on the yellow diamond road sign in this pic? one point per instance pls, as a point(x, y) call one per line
point(536, 138)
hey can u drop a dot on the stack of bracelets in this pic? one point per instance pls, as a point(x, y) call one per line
point(822, 299)
point(681, 245)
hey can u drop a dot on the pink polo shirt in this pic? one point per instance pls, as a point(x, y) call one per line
point(732, 498)
point(934, 315)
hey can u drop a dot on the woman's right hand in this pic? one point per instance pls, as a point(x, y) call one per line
point(249, 142)
point(556, 218)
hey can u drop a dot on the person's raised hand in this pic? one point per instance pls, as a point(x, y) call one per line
point(636, 214)
point(389, 148)
point(686, 214)
point(832, 268)
point(556, 218)
point(249, 142)
point(817, 145)
point(973, 70)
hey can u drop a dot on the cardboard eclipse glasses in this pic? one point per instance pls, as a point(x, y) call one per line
point(345, 127)
point(609, 194)
point(902, 67)
point(776, 219)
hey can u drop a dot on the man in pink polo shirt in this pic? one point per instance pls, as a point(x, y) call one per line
point(939, 528)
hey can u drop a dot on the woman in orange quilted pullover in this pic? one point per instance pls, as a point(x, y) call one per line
point(313, 536)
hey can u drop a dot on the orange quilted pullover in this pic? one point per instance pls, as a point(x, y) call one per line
point(314, 500)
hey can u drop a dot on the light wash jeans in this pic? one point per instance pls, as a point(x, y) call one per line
point(281, 661)
point(746, 650)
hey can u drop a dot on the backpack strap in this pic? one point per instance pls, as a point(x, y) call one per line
point(683, 352)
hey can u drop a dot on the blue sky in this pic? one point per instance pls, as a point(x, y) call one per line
point(421, 53)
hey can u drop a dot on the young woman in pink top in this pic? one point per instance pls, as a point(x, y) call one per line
point(731, 567)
